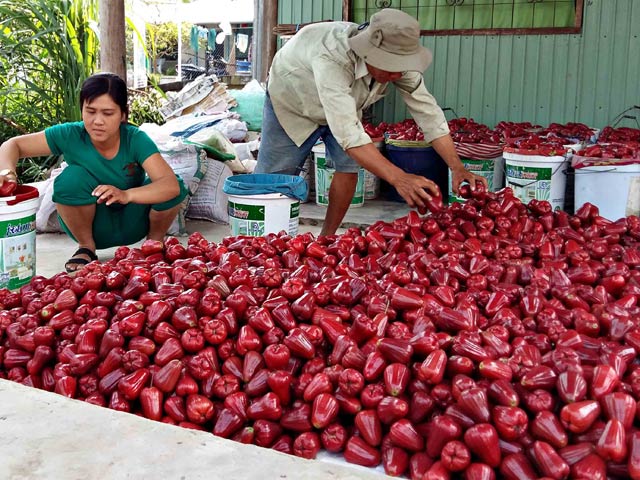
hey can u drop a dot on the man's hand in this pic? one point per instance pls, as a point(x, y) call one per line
point(461, 175)
point(109, 194)
point(416, 190)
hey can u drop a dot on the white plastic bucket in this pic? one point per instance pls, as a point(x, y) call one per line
point(324, 175)
point(536, 176)
point(614, 189)
point(257, 215)
point(491, 168)
point(18, 237)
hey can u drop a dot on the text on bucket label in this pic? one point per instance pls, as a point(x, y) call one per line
point(17, 251)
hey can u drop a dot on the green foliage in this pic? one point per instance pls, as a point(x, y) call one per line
point(47, 49)
point(144, 106)
point(162, 40)
point(165, 39)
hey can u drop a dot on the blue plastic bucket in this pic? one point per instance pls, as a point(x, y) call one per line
point(422, 161)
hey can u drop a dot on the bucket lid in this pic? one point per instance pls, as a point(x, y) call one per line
point(23, 193)
point(261, 183)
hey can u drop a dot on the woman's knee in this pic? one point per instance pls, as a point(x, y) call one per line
point(175, 201)
point(74, 186)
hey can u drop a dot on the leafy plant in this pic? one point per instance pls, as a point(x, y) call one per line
point(47, 49)
point(144, 106)
point(162, 40)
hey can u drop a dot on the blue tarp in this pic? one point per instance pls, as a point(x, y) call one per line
point(262, 183)
point(195, 128)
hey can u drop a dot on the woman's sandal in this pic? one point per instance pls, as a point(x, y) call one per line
point(75, 264)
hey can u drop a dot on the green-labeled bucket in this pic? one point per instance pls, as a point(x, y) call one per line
point(264, 203)
point(536, 176)
point(18, 237)
point(490, 168)
point(324, 175)
point(257, 215)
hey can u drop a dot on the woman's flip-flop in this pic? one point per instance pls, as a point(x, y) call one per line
point(75, 264)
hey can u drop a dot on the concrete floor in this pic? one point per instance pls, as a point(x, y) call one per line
point(48, 436)
point(45, 435)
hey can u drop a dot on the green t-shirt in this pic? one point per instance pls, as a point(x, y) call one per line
point(124, 171)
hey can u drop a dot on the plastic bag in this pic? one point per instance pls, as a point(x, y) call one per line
point(250, 104)
point(210, 201)
point(245, 151)
point(219, 147)
point(47, 215)
point(234, 129)
point(185, 125)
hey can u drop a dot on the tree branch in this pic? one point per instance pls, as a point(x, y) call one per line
point(13, 124)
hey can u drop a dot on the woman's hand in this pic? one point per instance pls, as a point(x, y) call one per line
point(461, 175)
point(8, 182)
point(108, 194)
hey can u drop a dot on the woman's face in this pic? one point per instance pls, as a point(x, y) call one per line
point(102, 118)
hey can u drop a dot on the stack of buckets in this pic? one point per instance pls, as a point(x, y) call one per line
point(18, 237)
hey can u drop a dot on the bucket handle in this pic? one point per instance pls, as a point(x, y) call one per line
point(611, 170)
point(21, 197)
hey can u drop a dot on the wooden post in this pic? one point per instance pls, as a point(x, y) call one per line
point(266, 18)
point(112, 37)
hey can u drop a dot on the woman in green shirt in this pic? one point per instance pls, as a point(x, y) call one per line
point(117, 188)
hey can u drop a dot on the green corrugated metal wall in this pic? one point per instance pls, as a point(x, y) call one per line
point(587, 78)
point(303, 11)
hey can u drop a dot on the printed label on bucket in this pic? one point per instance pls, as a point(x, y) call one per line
point(482, 168)
point(371, 186)
point(294, 213)
point(529, 182)
point(17, 252)
point(324, 175)
point(250, 219)
point(246, 219)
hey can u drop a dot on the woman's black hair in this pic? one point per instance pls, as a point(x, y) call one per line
point(108, 83)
